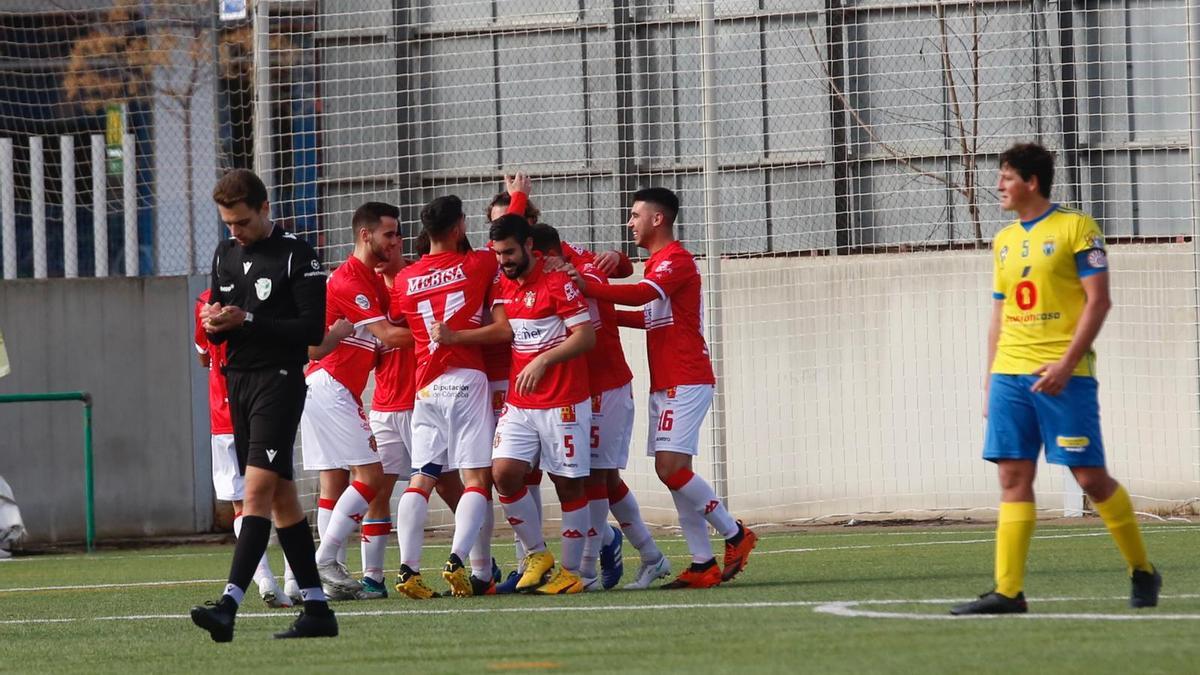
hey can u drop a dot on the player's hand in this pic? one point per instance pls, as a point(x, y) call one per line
point(442, 334)
point(517, 183)
point(576, 276)
point(341, 329)
point(530, 376)
point(1054, 378)
point(229, 319)
point(374, 444)
point(607, 261)
point(210, 310)
point(205, 359)
point(553, 263)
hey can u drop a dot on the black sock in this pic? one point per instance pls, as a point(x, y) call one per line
point(737, 538)
point(251, 544)
point(700, 567)
point(296, 541)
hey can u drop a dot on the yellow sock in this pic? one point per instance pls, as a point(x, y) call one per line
point(1014, 531)
point(1117, 512)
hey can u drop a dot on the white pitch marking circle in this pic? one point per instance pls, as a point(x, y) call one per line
point(856, 609)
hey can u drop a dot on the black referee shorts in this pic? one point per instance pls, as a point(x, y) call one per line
point(265, 406)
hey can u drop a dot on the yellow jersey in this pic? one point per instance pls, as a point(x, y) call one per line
point(1037, 268)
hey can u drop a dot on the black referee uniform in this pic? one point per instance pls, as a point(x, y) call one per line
point(279, 282)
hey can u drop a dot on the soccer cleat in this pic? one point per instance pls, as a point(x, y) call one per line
point(563, 583)
point(310, 625)
point(648, 573)
point(372, 590)
point(457, 577)
point(537, 568)
point(592, 584)
point(217, 618)
point(292, 590)
point(992, 603)
point(409, 583)
point(737, 555)
point(481, 586)
point(276, 599)
point(1144, 592)
point(509, 585)
point(699, 575)
point(337, 584)
point(612, 564)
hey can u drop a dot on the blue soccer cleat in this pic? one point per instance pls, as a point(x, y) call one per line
point(612, 566)
point(509, 585)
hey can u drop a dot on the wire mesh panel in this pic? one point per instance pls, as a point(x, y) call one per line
point(848, 151)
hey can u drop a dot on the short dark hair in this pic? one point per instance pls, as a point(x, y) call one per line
point(661, 197)
point(440, 215)
point(240, 185)
point(504, 199)
point(423, 244)
point(509, 226)
point(545, 238)
point(371, 214)
point(1031, 159)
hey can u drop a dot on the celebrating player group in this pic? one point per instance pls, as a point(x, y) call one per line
point(492, 366)
point(496, 365)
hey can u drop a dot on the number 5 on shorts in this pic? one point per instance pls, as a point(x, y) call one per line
point(569, 444)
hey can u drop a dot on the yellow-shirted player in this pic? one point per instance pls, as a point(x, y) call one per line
point(1051, 296)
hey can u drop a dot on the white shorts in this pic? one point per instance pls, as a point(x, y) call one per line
point(498, 392)
point(393, 440)
point(676, 414)
point(228, 482)
point(612, 427)
point(451, 423)
point(334, 429)
point(558, 436)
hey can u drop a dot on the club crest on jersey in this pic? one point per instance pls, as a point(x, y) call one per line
point(362, 301)
point(262, 288)
point(567, 413)
point(596, 404)
point(530, 298)
point(1048, 247)
point(1003, 254)
point(670, 392)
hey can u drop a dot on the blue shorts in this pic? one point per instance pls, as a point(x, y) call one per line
point(1020, 422)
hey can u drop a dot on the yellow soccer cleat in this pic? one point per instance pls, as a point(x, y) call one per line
point(563, 583)
point(409, 583)
point(537, 566)
point(456, 575)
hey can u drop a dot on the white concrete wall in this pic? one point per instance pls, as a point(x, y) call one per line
point(854, 385)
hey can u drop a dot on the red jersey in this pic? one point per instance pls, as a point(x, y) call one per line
point(607, 368)
point(395, 369)
point(219, 421)
point(357, 294)
point(449, 288)
point(541, 310)
point(675, 342)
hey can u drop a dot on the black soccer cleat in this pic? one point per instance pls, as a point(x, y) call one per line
point(309, 625)
point(217, 618)
point(992, 603)
point(1145, 586)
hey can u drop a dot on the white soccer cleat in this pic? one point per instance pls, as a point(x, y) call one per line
point(337, 584)
point(591, 584)
point(648, 573)
point(292, 590)
point(275, 598)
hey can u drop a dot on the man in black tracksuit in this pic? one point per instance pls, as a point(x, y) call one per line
point(267, 306)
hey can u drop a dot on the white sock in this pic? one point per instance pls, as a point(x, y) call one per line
point(597, 507)
point(695, 529)
point(347, 514)
point(411, 511)
point(374, 547)
point(624, 507)
point(704, 501)
point(324, 513)
point(481, 551)
point(574, 533)
point(468, 519)
point(522, 515)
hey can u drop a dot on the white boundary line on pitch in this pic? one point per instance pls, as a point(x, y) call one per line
point(986, 540)
point(851, 609)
